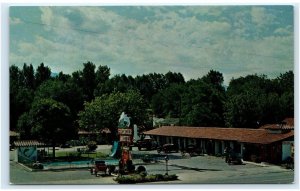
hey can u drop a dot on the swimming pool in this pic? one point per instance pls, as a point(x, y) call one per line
point(76, 164)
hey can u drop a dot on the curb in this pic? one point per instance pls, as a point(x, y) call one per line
point(262, 164)
point(26, 167)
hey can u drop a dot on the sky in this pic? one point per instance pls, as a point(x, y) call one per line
point(135, 40)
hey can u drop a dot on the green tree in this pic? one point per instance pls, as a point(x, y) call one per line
point(50, 122)
point(174, 78)
point(65, 92)
point(15, 76)
point(28, 76)
point(77, 79)
point(256, 100)
point(20, 93)
point(202, 104)
point(243, 110)
point(118, 83)
point(150, 84)
point(43, 73)
point(20, 102)
point(167, 102)
point(285, 82)
point(63, 77)
point(102, 74)
point(88, 80)
point(104, 111)
point(214, 78)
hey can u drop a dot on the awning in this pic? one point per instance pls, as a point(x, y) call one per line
point(28, 143)
point(14, 134)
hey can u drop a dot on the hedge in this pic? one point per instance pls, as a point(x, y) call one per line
point(139, 178)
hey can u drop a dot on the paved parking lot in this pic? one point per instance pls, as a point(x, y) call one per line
point(190, 170)
point(214, 170)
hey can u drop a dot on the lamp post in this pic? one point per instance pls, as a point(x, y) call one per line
point(166, 159)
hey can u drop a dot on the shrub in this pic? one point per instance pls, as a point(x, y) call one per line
point(132, 179)
point(138, 178)
point(152, 178)
point(170, 177)
point(140, 169)
point(91, 145)
point(143, 174)
point(159, 177)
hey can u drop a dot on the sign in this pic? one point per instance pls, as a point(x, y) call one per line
point(124, 121)
point(27, 154)
point(125, 131)
point(125, 138)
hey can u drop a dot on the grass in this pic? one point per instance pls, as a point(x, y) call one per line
point(92, 155)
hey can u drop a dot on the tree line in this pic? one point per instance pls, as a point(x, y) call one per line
point(43, 105)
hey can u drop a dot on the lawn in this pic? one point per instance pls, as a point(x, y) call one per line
point(92, 155)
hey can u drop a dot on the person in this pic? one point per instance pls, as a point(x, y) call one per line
point(227, 152)
point(121, 167)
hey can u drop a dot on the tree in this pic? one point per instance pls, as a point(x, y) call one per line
point(89, 80)
point(172, 77)
point(65, 92)
point(77, 79)
point(256, 100)
point(243, 110)
point(15, 78)
point(215, 78)
point(20, 102)
point(63, 77)
point(50, 122)
point(150, 84)
point(102, 74)
point(167, 102)
point(285, 82)
point(28, 76)
point(118, 83)
point(104, 111)
point(24, 126)
point(202, 104)
point(43, 73)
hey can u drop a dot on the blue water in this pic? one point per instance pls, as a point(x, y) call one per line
point(79, 163)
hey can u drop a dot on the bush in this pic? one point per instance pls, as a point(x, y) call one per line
point(140, 169)
point(139, 178)
point(152, 178)
point(159, 177)
point(132, 179)
point(91, 145)
point(170, 177)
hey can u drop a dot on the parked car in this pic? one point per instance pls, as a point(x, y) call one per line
point(99, 166)
point(167, 148)
point(192, 150)
point(147, 144)
point(65, 145)
point(234, 158)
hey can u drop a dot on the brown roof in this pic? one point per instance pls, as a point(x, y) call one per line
point(28, 143)
point(287, 123)
point(235, 134)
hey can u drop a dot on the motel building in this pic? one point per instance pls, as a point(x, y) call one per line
point(272, 143)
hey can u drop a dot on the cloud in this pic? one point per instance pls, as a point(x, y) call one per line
point(15, 21)
point(191, 40)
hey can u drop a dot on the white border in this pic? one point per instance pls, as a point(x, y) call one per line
point(4, 101)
